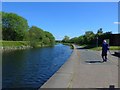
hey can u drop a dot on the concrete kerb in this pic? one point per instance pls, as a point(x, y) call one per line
point(64, 76)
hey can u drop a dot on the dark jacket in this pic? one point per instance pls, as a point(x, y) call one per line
point(105, 47)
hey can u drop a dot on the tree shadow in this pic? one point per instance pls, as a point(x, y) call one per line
point(81, 48)
point(86, 47)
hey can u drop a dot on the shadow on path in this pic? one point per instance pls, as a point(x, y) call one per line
point(81, 48)
point(93, 61)
point(116, 55)
point(86, 47)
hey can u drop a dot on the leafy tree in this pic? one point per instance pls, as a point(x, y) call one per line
point(49, 38)
point(81, 39)
point(66, 39)
point(46, 41)
point(35, 35)
point(100, 31)
point(75, 40)
point(13, 26)
point(89, 36)
point(108, 33)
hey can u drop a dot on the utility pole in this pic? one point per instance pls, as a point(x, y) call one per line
point(97, 41)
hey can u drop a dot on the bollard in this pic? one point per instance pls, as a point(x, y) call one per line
point(111, 87)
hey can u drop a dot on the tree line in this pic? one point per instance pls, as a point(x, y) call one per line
point(16, 28)
point(89, 38)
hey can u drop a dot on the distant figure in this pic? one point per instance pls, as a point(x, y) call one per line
point(105, 48)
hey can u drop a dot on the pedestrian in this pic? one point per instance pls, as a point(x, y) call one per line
point(105, 48)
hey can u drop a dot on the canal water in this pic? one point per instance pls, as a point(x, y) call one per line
point(31, 68)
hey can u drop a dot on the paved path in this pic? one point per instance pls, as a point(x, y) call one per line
point(85, 69)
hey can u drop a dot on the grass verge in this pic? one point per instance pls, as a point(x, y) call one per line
point(13, 43)
point(111, 48)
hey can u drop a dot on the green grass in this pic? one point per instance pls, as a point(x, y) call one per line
point(92, 47)
point(114, 47)
point(13, 43)
point(96, 48)
point(111, 48)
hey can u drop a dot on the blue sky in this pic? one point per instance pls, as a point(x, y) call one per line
point(67, 18)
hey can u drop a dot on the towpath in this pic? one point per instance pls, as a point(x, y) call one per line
point(85, 69)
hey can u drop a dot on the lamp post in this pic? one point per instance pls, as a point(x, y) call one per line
point(97, 41)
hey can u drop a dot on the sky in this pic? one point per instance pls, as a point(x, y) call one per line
point(67, 18)
point(60, 0)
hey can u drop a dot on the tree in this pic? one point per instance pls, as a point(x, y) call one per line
point(81, 40)
point(35, 35)
point(13, 26)
point(108, 32)
point(99, 32)
point(75, 40)
point(66, 39)
point(89, 37)
point(49, 38)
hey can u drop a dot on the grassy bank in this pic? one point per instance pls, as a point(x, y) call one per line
point(111, 48)
point(14, 43)
point(92, 47)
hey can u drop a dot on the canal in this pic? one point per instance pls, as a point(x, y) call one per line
point(31, 68)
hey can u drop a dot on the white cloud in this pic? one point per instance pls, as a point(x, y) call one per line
point(116, 22)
